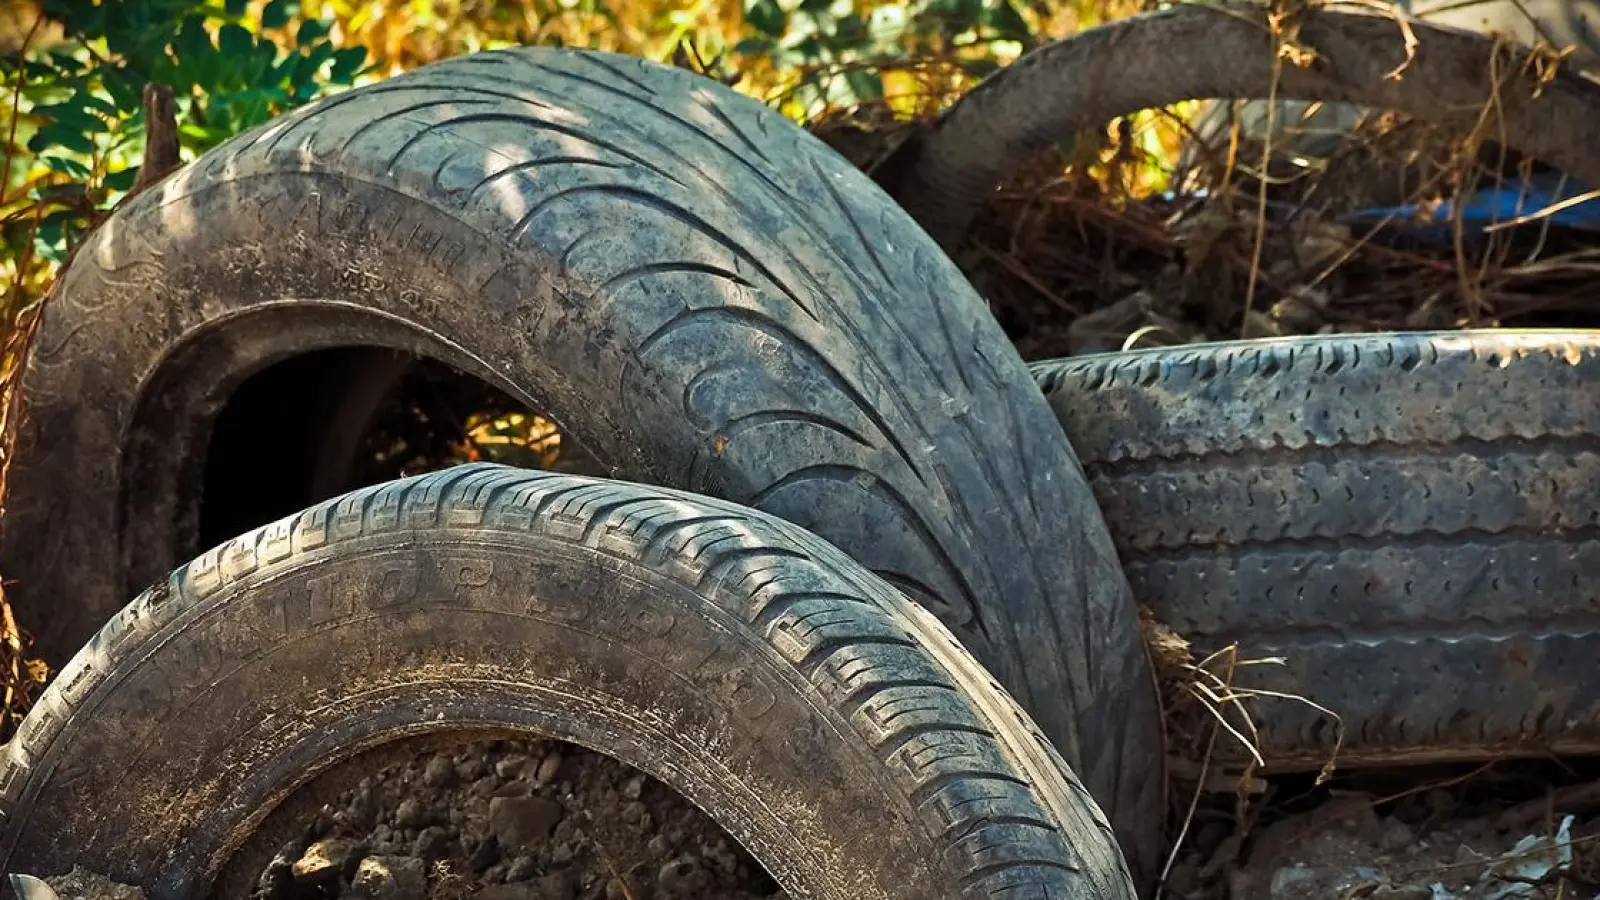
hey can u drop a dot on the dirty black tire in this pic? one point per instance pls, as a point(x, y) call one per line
point(833, 727)
point(1410, 519)
point(700, 293)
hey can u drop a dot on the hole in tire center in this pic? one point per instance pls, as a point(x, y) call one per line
point(331, 421)
point(552, 819)
point(490, 818)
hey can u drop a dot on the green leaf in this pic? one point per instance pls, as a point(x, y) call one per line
point(125, 89)
point(235, 8)
point(766, 16)
point(66, 63)
point(864, 84)
point(850, 31)
point(1007, 23)
point(310, 32)
point(121, 181)
point(195, 55)
point(58, 136)
point(753, 46)
point(305, 73)
point(979, 68)
point(97, 103)
point(346, 63)
point(233, 41)
point(276, 15)
point(72, 115)
point(65, 166)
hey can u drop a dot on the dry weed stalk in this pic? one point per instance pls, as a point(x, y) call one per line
point(1209, 685)
point(19, 675)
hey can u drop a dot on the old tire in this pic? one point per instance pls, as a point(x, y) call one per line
point(833, 727)
point(1410, 520)
point(1192, 51)
point(625, 247)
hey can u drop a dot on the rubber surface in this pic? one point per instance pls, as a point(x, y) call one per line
point(1410, 520)
point(703, 295)
point(833, 727)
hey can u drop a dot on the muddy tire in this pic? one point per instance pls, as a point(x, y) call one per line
point(834, 728)
point(1409, 519)
point(701, 294)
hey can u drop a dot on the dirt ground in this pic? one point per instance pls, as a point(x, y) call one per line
point(513, 821)
point(1495, 832)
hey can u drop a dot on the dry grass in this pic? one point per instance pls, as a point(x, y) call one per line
point(20, 676)
point(1077, 258)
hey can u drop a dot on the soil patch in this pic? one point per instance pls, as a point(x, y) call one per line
point(513, 820)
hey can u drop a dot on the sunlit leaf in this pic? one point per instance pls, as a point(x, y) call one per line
point(121, 181)
point(864, 84)
point(125, 89)
point(765, 16)
point(1007, 23)
point(310, 32)
point(66, 166)
point(59, 136)
point(346, 63)
point(276, 14)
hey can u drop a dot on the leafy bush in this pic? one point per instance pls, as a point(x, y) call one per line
point(78, 103)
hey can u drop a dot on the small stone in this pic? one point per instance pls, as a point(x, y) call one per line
point(441, 772)
point(1416, 891)
point(549, 767)
point(510, 767)
point(1209, 837)
point(684, 875)
point(1397, 836)
point(1293, 883)
point(472, 768)
point(658, 846)
point(323, 862)
point(562, 855)
point(634, 788)
point(626, 887)
point(1183, 878)
point(634, 813)
point(432, 843)
point(721, 856)
point(522, 868)
point(390, 878)
point(1440, 801)
point(495, 874)
point(521, 822)
point(410, 814)
point(1363, 822)
point(557, 886)
point(519, 891)
point(83, 883)
point(484, 855)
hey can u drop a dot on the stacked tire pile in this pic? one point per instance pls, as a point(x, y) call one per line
point(848, 588)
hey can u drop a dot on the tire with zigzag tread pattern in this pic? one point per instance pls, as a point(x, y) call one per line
point(1410, 520)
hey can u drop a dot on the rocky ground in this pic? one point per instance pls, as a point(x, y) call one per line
point(514, 821)
point(1496, 836)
